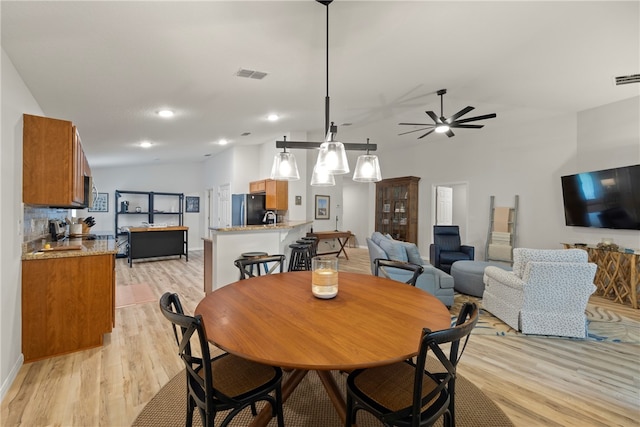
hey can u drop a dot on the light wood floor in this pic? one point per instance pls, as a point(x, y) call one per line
point(536, 381)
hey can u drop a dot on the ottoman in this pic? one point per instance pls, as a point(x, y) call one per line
point(467, 276)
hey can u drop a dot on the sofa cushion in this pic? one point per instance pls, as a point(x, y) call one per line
point(413, 253)
point(522, 256)
point(377, 237)
point(395, 251)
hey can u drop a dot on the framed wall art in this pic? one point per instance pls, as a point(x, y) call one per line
point(192, 204)
point(322, 207)
point(100, 203)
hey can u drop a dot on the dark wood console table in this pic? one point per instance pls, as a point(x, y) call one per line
point(150, 242)
point(341, 236)
point(618, 274)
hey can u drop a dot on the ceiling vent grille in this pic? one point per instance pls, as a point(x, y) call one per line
point(623, 80)
point(251, 74)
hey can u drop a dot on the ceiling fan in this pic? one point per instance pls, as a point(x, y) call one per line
point(443, 125)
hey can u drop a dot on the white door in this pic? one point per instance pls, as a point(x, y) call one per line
point(224, 206)
point(444, 205)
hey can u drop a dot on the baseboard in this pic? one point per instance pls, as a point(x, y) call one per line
point(6, 385)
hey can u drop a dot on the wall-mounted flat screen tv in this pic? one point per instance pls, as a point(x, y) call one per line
point(607, 198)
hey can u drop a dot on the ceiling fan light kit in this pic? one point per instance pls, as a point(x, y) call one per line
point(442, 124)
point(332, 157)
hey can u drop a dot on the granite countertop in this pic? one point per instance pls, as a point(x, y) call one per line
point(280, 226)
point(31, 251)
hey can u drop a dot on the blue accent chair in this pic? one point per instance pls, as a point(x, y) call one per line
point(446, 248)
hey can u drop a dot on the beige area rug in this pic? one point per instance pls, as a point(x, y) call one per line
point(134, 294)
point(309, 406)
point(602, 323)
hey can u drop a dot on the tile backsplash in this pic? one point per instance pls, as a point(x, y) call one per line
point(36, 221)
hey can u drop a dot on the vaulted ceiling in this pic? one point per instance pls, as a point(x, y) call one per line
point(110, 66)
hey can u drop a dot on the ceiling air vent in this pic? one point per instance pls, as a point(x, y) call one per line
point(251, 74)
point(623, 80)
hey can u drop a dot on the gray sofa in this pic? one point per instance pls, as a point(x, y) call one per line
point(432, 280)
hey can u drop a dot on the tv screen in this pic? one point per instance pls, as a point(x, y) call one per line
point(607, 198)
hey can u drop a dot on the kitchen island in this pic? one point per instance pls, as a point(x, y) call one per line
point(227, 243)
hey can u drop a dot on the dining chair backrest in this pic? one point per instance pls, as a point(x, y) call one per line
point(239, 383)
point(410, 393)
point(465, 322)
point(271, 264)
point(384, 268)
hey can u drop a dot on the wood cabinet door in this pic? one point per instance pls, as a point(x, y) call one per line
point(257, 187)
point(277, 195)
point(67, 304)
point(53, 163)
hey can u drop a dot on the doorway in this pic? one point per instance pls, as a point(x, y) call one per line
point(450, 206)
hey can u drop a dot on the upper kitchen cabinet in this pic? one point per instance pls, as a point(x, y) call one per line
point(55, 169)
point(277, 195)
point(257, 187)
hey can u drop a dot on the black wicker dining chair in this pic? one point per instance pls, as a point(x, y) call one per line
point(270, 263)
point(383, 268)
point(226, 382)
point(405, 394)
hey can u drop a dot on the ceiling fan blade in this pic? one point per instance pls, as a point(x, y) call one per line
point(449, 133)
point(471, 119)
point(416, 124)
point(431, 131)
point(433, 116)
point(456, 125)
point(411, 131)
point(459, 113)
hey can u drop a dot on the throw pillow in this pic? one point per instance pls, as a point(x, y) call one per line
point(395, 251)
point(413, 253)
point(377, 237)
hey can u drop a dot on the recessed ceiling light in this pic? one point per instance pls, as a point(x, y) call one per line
point(272, 117)
point(145, 144)
point(223, 142)
point(165, 113)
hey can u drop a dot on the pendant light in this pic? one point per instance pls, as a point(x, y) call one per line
point(322, 178)
point(367, 168)
point(332, 157)
point(284, 166)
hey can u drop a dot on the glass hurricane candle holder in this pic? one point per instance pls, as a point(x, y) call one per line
point(324, 277)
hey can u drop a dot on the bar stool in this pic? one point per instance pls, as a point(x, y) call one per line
point(300, 259)
point(314, 244)
point(251, 255)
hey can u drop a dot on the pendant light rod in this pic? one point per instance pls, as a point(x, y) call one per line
point(326, 3)
point(308, 145)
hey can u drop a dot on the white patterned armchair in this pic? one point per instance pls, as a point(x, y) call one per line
point(545, 294)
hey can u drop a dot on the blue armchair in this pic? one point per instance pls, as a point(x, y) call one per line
point(446, 248)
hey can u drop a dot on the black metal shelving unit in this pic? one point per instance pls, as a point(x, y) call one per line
point(150, 211)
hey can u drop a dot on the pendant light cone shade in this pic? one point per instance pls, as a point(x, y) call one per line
point(333, 158)
point(367, 169)
point(322, 178)
point(284, 167)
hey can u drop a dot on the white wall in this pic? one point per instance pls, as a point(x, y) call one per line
point(16, 100)
point(187, 178)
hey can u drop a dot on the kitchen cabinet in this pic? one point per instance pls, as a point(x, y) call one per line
point(68, 304)
point(55, 169)
point(277, 193)
point(397, 208)
point(257, 186)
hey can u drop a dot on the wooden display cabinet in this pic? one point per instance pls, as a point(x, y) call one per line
point(397, 208)
point(54, 164)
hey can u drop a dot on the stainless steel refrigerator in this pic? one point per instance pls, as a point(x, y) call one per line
point(247, 209)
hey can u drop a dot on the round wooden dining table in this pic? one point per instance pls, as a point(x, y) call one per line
point(276, 320)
